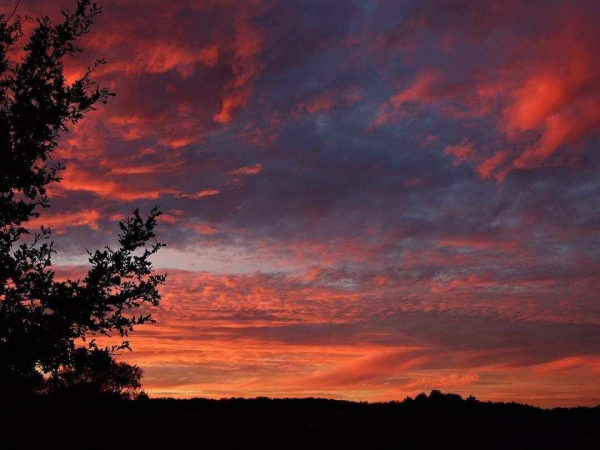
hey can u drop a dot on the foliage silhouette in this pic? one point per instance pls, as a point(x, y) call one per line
point(42, 319)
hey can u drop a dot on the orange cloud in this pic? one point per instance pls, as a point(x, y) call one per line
point(202, 193)
point(449, 381)
point(223, 335)
point(60, 222)
point(569, 364)
point(246, 65)
point(159, 57)
point(202, 228)
point(247, 170)
point(172, 216)
point(78, 179)
point(364, 369)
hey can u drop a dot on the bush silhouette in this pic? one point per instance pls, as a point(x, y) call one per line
point(95, 375)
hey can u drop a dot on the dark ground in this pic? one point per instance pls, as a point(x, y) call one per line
point(427, 422)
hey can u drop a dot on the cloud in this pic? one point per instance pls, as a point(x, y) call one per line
point(77, 179)
point(464, 152)
point(246, 171)
point(365, 369)
point(60, 222)
point(568, 365)
point(537, 88)
point(350, 186)
point(421, 91)
point(202, 193)
point(252, 335)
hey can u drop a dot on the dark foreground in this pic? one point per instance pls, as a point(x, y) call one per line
point(434, 421)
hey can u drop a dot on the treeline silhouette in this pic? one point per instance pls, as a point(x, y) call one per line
point(436, 420)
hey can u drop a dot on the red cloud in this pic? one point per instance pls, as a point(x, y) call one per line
point(543, 93)
point(560, 96)
point(423, 90)
point(489, 167)
point(464, 152)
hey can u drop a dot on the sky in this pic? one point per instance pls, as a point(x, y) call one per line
point(362, 199)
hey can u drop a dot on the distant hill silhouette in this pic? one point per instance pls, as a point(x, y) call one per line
point(436, 420)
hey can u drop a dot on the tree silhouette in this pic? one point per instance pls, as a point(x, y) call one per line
point(41, 319)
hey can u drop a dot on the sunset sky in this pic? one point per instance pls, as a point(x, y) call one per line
point(363, 199)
